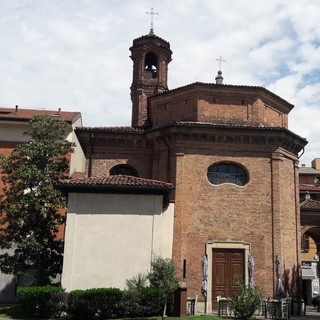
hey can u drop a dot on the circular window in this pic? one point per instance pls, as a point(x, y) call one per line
point(227, 173)
point(123, 169)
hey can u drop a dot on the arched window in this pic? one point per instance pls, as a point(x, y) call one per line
point(305, 243)
point(151, 64)
point(123, 169)
point(224, 172)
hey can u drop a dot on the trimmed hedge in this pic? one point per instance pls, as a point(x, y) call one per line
point(144, 302)
point(43, 301)
point(102, 303)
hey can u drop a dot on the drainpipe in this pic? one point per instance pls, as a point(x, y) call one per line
point(299, 285)
point(168, 159)
point(91, 155)
point(272, 222)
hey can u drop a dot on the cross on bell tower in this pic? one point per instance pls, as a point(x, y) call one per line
point(152, 13)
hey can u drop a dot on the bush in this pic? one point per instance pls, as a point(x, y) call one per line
point(144, 302)
point(100, 303)
point(42, 302)
point(152, 301)
point(246, 301)
point(316, 301)
point(131, 304)
point(137, 282)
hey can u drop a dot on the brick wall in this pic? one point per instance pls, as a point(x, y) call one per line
point(205, 213)
point(216, 108)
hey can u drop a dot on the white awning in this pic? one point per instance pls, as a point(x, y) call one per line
point(308, 273)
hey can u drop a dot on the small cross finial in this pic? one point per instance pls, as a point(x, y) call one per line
point(220, 62)
point(152, 13)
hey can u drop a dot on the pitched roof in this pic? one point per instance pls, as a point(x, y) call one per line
point(18, 114)
point(195, 124)
point(118, 183)
point(308, 170)
point(111, 129)
point(310, 204)
point(150, 38)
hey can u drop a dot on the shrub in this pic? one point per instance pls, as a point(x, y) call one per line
point(102, 303)
point(131, 304)
point(144, 302)
point(42, 302)
point(246, 301)
point(136, 282)
point(316, 301)
point(152, 301)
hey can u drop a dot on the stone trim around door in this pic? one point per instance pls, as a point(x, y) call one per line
point(223, 245)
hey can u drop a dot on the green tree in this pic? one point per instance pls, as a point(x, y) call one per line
point(163, 276)
point(29, 207)
point(246, 300)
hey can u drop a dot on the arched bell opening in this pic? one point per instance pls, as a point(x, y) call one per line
point(151, 64)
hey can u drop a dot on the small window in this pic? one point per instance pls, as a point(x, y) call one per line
point(227, 173)
point(123, 169)
point(305, 243)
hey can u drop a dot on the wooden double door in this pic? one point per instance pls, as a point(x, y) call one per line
point(227, 266)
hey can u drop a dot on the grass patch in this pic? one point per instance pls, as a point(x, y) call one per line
point(187, 318)
point(15, 312)
point(12, 312)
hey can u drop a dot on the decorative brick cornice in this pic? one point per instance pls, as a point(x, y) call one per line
point(230, 133)
point(147, 39)
point(202, 131)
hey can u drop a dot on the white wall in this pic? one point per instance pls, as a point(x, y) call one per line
point(111, 238)
point(78, 159)
point(12, 131)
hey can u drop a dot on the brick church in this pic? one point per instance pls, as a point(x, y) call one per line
point(206, 172)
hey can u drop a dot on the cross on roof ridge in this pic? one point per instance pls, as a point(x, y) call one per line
point(220, 62)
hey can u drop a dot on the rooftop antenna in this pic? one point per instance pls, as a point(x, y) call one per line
point(152, 13)
point(219, 77)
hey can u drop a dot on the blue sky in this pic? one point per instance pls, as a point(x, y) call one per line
point(74, 54)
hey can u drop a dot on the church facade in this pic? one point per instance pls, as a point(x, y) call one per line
point(207, 172)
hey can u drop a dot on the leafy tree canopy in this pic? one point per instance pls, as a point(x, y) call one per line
point(163, 276)
point(29, 206)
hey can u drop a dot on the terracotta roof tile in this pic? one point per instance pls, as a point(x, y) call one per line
point(13, 114)
point(118, 181)
point(179, 124)
point(308, 187)
point(78, 175)
point(143, 40)
point(310, 204)
point(111, 129)
point(308, 170)
point(224, 125)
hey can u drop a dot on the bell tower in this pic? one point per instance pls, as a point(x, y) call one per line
point(150, 55)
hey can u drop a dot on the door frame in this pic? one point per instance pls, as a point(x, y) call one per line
point(224, 245)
